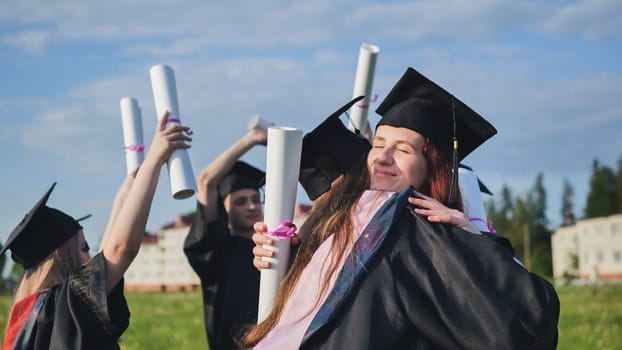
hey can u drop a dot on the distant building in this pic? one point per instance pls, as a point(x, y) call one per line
point(591, 250)
point(161, 264)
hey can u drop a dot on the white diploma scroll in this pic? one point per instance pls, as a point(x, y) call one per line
point(131, 120)
point(181, 176)
point(282, 167)
point(363, 82)
point(472, 199)
point(258, 123)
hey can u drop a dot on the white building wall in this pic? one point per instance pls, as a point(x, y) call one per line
point(176, 269)
point(597, 243)
point(162, 264)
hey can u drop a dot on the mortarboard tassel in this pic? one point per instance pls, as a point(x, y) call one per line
point(453, 188)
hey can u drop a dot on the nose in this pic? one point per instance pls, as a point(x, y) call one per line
point(384, 156)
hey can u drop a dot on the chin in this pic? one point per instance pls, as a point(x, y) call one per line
point(387, 186)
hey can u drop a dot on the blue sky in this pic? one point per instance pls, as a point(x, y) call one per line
point(548, 75)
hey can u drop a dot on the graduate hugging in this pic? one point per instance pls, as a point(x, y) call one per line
point(387, 259)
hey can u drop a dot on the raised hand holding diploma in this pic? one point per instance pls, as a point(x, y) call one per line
point(363, 82)
point(282, 167)
point(181, 176)
point(258, 123)
point(131, 120)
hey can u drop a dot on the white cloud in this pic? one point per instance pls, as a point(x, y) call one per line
point(591, 19)
point(32, 41)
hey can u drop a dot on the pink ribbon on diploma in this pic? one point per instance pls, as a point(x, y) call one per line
point(135, 148)
point(285, 230)
point(174, 120)
point(360, 105)
point(488, 224)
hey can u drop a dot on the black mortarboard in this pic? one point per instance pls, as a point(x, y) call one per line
point(482, 187)
point(241, 176)
point(42, 230)
point(418, 104)
point(329, 151)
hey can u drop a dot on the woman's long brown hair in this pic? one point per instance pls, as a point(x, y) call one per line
point(438, 181)
point(331, 214)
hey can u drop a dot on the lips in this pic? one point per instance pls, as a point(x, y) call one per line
point(383, 172)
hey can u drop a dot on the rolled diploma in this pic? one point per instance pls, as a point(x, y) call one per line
point(131, 120)
point(282, 167)
point(363, 84)
point(181, 176)
point(472, 199)
point(258, 123)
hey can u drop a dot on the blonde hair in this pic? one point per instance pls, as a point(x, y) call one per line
point(53, 270)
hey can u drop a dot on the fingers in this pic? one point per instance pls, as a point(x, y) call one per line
point(260, 264)
point(259, 251)
point(260, 227)
point(162, 121)
point(428, 203)
point(260, 239)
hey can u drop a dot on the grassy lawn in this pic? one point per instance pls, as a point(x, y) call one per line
point(591, 318)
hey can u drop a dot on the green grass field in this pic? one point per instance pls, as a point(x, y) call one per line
point(591, 318)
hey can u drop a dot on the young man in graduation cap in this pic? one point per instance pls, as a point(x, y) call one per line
point(219, 246)
point(411, 281)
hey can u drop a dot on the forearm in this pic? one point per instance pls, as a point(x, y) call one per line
point(116, 206)
point(123, 239)
point(213, 173)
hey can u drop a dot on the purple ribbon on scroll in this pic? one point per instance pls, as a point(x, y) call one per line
point(488, 224)
point(174, 120)
point(285, 230)
point(135, 148)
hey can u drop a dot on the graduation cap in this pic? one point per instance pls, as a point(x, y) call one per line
point(418, 104)
point(241, 176)
point(329, 151)
point(42, 230)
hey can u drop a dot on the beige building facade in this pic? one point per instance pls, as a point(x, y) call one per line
point(161, 264)
point(591, 250)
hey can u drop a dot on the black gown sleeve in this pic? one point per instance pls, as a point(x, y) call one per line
point(204, 242)
point(461, 291)
point(79, 314)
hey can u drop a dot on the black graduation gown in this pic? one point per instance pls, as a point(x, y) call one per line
point(229, 281)
point(435, 286)
point(78, 314)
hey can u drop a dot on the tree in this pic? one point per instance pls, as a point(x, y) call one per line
point(567, 210)
point(601, 199)
point(540, 235)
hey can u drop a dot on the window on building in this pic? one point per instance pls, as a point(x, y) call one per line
point(600, 256)
point(616, 228)
point(617, 256)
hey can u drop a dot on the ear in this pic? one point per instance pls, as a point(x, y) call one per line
point(58, 257)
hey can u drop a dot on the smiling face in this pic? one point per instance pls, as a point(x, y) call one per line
point(244, 209)
point(396, 159)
